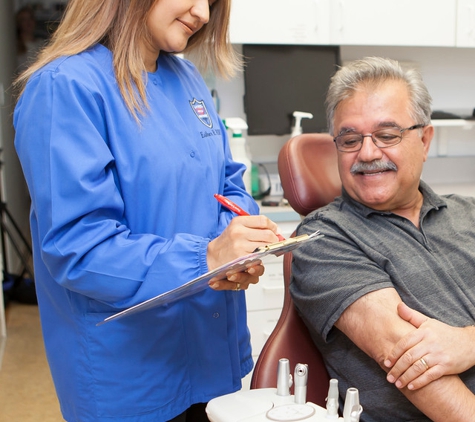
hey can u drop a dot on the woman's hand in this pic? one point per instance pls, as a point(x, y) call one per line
point(433, 350)
point(241, 237)
point(239, 281)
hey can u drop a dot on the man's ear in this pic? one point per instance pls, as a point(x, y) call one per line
point(427, 135)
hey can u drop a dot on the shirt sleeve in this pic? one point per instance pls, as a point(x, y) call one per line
point(78, 212)
point(330, 274)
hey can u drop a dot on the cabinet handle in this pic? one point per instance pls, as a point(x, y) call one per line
point(341, 3)
point(315, 13)
point(471, 19)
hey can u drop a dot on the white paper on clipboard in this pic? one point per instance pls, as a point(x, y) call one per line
point(200, 283)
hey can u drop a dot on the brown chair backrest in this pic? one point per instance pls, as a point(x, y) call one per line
point(309, 177)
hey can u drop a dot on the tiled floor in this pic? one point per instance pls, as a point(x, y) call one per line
point(26, 389)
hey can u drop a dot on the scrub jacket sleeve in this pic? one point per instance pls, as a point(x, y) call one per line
point(77, 207)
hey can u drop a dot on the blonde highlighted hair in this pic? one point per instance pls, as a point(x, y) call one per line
point(121, 26)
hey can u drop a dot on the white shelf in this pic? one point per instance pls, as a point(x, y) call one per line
point(441, 137)
point(280, 214)
point(468, 124)
point(464, 189)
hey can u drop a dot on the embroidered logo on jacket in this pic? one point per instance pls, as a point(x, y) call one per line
point(201, 112)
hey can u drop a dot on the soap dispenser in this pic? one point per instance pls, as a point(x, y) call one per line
point(298, 116)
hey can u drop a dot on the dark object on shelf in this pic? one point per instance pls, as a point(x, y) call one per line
point(259, 194)
point(270, 203)
point(443, 115)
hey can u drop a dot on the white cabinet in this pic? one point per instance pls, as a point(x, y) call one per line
point(466, 23)
point(430, 23)
point(280, 22)
point(264, 303)
point(389, 22)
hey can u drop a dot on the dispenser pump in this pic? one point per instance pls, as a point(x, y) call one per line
point(298, 116)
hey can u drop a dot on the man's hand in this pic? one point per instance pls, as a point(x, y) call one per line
point(376, 323)
point(433, 350)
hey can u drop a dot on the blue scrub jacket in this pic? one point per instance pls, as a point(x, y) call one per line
point(120, 213)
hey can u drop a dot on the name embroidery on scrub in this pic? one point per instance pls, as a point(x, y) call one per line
point(199, 108)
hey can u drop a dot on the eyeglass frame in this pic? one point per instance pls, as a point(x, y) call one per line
point(413, 127)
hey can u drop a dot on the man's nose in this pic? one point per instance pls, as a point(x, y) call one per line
point(369, 151)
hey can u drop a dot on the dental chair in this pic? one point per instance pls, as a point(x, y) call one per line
point(309, 175)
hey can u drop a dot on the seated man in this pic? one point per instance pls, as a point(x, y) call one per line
point(389, 241)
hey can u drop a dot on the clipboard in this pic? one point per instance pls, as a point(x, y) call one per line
point(201, 283)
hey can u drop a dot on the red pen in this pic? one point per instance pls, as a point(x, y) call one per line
point(230, 205)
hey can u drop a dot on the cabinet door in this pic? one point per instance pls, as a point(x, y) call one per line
point(280, 22)
point(393, 22)
point(466, 23)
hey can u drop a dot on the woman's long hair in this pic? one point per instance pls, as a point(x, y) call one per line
point(121, 26)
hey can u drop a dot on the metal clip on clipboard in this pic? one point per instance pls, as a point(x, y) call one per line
point(283, 246)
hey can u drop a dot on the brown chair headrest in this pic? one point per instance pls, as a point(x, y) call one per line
point(308, 172)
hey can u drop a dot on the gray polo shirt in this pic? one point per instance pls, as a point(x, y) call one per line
point(432, 269)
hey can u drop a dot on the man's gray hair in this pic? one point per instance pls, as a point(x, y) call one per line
point(375, 70)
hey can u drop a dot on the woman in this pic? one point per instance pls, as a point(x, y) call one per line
point(122, 151)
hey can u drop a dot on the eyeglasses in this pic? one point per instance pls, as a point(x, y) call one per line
point(383, 138)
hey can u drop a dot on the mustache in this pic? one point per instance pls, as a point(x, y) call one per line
point(373, 166)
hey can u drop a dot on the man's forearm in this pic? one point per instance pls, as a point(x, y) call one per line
point(445, 400)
